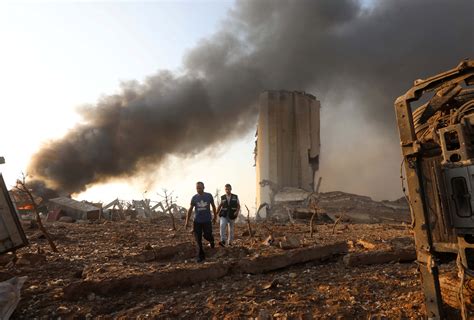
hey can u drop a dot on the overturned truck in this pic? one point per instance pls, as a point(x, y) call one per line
point(437, 142)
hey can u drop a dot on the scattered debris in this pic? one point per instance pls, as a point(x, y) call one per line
point(362, 209)
point(188, 276)
point(294, 203)
point(133, 268)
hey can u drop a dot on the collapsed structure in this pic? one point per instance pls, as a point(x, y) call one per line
point(287, 147)
point(75, 209)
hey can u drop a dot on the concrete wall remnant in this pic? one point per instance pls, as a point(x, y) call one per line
point(288, 144)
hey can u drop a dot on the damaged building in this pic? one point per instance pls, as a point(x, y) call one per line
point(77, 210)
point(287, 147)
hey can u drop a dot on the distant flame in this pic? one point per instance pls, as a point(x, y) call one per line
point(26, 207)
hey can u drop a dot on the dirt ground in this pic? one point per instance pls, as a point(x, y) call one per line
point(99, 252)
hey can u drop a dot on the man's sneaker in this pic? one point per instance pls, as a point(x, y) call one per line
point(222, 243)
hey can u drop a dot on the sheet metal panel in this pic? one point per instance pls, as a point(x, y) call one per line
point(12, 235)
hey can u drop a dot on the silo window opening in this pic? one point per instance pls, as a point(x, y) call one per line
point(461, 197)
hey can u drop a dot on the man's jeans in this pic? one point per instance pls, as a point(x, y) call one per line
point(200, 229)
point(224, 221)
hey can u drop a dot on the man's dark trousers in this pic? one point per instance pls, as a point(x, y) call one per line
point(201, 228)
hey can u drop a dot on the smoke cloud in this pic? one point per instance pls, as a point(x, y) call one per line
point(355, 59)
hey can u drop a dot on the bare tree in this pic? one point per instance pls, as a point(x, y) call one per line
point(335, 223)
point(314, 206)
point(216, 196)
point(168, 196)
point(22, 187)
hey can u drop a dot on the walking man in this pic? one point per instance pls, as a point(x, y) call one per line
point(201, 202)
point(228, 210)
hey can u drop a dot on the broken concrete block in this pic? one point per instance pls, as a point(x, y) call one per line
point(380, 256)
point(155, 280)
point(261, 264)
point(290, 242)
point(210, 271)
point(185, 249)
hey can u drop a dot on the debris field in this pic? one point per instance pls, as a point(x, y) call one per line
point(144, 270)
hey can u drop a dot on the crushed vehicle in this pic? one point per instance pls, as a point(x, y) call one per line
point(437, 142)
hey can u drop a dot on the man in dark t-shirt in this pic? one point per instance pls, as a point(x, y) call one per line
point(201, 202)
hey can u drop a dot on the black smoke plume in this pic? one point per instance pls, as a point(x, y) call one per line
point(356, 59)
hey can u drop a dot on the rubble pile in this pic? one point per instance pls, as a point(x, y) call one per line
point(140, 269)
point(293, 203)
point(362, 209)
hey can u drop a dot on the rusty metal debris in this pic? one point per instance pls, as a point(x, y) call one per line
point(437, 141)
